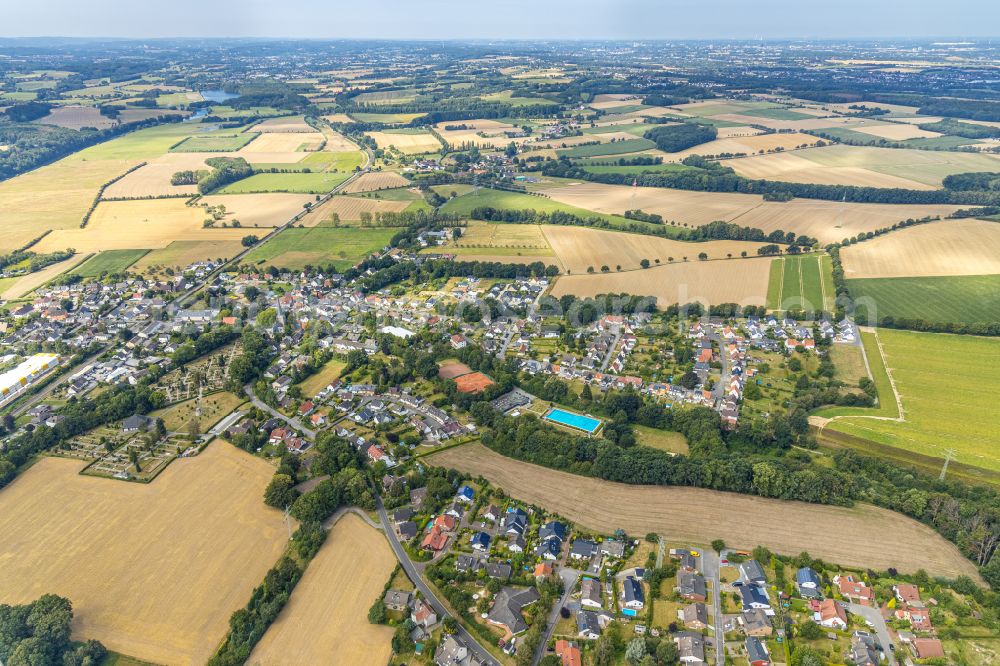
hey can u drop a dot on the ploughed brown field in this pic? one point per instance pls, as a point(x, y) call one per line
point(861, 536)
point(153, 571)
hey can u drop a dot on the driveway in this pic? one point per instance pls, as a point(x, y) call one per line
point(877, 622)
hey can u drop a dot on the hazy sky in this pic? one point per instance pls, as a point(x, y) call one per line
point(531, 19)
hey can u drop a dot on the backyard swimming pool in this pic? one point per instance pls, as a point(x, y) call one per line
point(562, 417)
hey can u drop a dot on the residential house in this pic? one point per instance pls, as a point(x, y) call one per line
point(927, 648)
point(864, 651)
point(853, 589)
point(569, 653)
point(752, 571)
point(452, 651)
point(831, 615)
point(543, 570)
point(507, 607)
point(694, 616)
point(406, 530)
point(397, 600)
point(499, 570)
point(446, 522)
point(582, 549)
point(632, 594)
point(548, 550)
point(808, 583)
point(754, 596)
point(492, 513)
point(590, 593)
point(552, 530)
point(691, 586)
point(755, 622)
point(435, 540)
point(418, 497)
point(612, 548)
point(757, 653)
point(587, 625)
point(480, 541)
point(465, 494)
point(691, 648)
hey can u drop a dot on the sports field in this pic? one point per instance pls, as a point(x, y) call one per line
point(151, 573)
point(802, 282)
point(827, 221)
point(308, 183)
point(742, 281)
point(342, 247)
point(697, 516)
point(949, 247)
point(947, 385)
point(326, 619)
point(965, 299)
point(109, 261)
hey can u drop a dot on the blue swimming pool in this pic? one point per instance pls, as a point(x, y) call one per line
point(562, 417)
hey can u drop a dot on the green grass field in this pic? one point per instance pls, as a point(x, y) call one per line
point(776, 114)
point(614, 148)
point(387, 118)
point(319, 161)
point(342, 247)
point(214, 144)
point(947, 384)
point(658, 168)
point(801, 282)
point(307, 183)
point(966, 299)
point(886, 402)
point(109, 261)
point(465, 203)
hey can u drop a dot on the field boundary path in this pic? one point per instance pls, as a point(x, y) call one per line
point(418, 581)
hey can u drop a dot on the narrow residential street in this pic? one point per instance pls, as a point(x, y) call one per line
point(611, 351)
point(710, 568)
point(294, 422)
point(874, 618)
point(569, 579)
point(416, 577)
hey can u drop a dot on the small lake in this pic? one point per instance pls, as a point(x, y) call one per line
point(217, 96)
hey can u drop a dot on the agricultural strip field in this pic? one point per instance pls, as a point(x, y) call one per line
point(151, 573)
point(342, 247)
point(152, 223)
point(76, 117)
point(698, 516)
point(796, 168)
point(184, 253)
point(964, 299)
point(213, 143)
point(580, 248)
point(109, 261)
point(349, 209)
point(613, 148)
point(326, 618)
point(21, 286)
point(153, 179)
point(277, 142)
point(259, 210)
point(947, 384)
point(923, 166)
point(410, 142)
point(949, 247)
point(466, 203)
point(378, 180)
point(309, 183)
point(754, 143)
point(801, 283)
point(742, 281)
point(827, 221)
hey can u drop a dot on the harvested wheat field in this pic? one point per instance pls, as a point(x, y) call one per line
point(894, 131)
point(349, 209)
point(737, 131)
point(481, 133)
point(827, 221)
point(376, 180)
point(742, 281)
point(145, 223)
point(153, 179)
point(181, 254)
point(269, 209)
point(949, 247)
point(151, 573)
point(835, 534)
point(579, 248)
point(326, 618)
point(749, 145)
point(281, 142)
point(76, 117)
point(792, 168)
point(28, 283)
point(337, 142)
point(408, 142)
point(794, 125)
point(338, 118)
point(493, 235)
point(284, 124)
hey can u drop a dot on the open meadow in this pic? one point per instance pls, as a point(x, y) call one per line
point(963, 299)
point(109, 261)
point(342, 247)
point(949, 247)
point(742, 281)
point(827, 221)
point(151, 572)
point(308, 183)
point(947, 386)
point(697, 515)
point(326, 618)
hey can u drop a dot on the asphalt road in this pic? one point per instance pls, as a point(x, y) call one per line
point(874, 617)
point(425, 589)
point(261, 405)
point(710, 568)
point(569, 578)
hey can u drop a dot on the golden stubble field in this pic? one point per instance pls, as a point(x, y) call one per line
point(949, 247)
point(792, 168)
point(153, 571)
point(827, 221)
point(326, 618)
point(862, 536)
point(742, 281)
point(143, 223)
point(350, 209)
point(376, 180)
point(410, 144)
point(579, 248)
